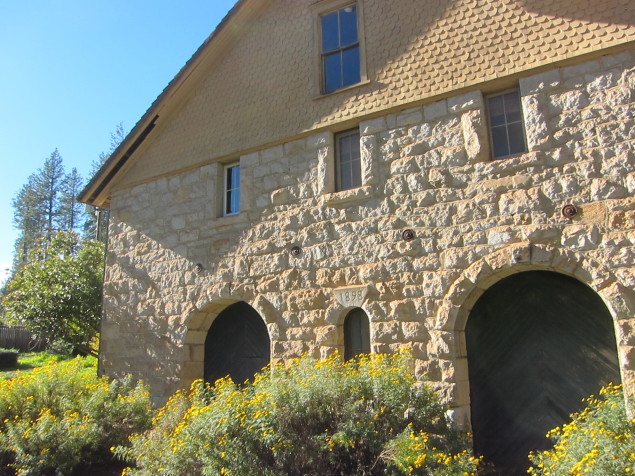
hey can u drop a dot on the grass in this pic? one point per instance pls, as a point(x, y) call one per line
point(30, 361)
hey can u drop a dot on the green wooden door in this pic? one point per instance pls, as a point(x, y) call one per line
point(237, 344)
point(538, 342)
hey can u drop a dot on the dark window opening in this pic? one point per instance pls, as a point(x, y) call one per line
point(356, 334)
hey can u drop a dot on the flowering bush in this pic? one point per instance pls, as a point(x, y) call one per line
point(599, 441)
point(365, 416)
point(59, 416)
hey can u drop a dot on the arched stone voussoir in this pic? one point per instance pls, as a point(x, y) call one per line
point(525, 256)
point(464, 292)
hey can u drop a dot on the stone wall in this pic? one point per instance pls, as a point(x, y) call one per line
point(427, 169)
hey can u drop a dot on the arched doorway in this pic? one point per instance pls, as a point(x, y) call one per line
point(538, 342)
point(356, 334)
point(237, 344)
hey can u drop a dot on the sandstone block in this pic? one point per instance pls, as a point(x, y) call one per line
point(465, 102)
point(540, 82)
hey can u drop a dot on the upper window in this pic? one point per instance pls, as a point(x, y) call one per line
point(231, 192)
point(340, 49)
point(507, 131)
point(348, 165)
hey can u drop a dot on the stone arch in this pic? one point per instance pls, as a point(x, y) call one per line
point(237, 344)
point(200, 322)
point(336, 317)
point(538, 342)
point(451, 319)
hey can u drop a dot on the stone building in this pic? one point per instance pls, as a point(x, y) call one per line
point(358, 175)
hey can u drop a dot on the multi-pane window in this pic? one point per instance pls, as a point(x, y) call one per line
point(506, 124)
point(340, 49)
point(356, 334)
point(347, 160)
point(231, 203)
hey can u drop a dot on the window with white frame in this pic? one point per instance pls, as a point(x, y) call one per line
point(340, 48)
point(507, 130)
point(348, 165)
point(231, 191)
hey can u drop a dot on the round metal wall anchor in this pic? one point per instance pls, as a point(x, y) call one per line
point(295, 251)
point(408, 235)
point(198, 269)
point(569, 211)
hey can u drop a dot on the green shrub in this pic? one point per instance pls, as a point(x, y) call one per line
point(364, 417)
point(599, 441)
point(57, 417)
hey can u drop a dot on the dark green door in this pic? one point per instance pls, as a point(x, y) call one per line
point(237, 344)
point(356, 334)
point(538, 342)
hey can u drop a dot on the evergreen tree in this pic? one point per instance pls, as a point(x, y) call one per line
point(72, 215)
point(48, 184)
point(45, 205)
point(28, 218)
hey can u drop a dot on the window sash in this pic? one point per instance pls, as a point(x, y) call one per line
point(506, 127)
point(231, 202)
point(340, 52)
point(348, 164)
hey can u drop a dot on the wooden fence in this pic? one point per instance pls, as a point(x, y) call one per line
point(20, 338)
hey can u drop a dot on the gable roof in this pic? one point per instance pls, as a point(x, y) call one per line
point(120, 156)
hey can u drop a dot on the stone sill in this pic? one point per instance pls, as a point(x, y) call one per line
point(363, 82)
point(239, 218)
point(347, 196)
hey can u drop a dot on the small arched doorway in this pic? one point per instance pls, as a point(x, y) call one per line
point(237, 344)
point(356, 334)
point(538, 342)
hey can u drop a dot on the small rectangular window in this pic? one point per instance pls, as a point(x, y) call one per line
point(348, 163)
point(340, 49)
point(231, 205)
point(507, 130)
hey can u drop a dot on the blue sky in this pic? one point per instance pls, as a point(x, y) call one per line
point(72, 70)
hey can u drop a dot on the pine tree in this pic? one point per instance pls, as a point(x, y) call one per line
point(28, 218)
point(71, 212)
point(41, 208)
point(48, 185)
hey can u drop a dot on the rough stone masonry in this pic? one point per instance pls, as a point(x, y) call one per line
point(425, 169)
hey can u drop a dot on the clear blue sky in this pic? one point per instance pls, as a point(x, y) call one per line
point(71, 70)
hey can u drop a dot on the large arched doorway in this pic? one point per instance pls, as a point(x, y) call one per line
point(237, 344)
point(538, 342)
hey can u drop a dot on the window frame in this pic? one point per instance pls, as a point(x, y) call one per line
point(338, 165)
point(326, 7)
point(227, 192)
point(506, 124)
